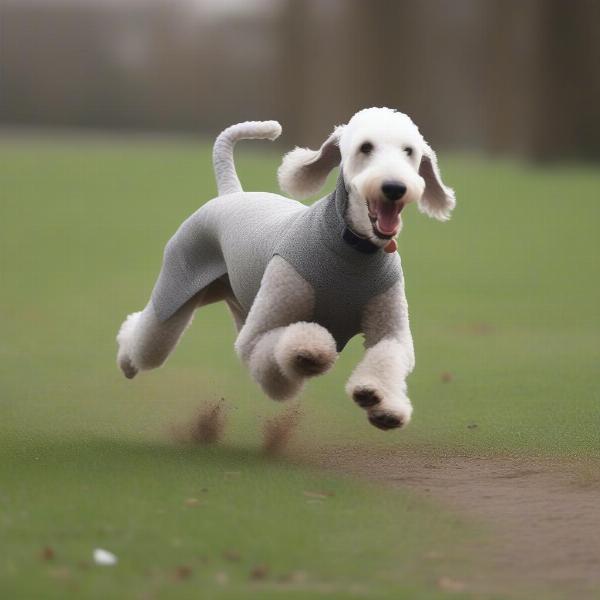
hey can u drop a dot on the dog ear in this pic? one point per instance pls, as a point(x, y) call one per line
point(437, 200)
point(303, 171)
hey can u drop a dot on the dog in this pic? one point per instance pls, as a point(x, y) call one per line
point(299, 280)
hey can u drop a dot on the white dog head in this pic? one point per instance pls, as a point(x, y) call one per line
point(386, 164)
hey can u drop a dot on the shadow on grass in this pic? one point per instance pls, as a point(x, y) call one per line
point(98, 451)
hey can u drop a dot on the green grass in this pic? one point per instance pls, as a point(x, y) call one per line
point(504, 298)
point(131, 498)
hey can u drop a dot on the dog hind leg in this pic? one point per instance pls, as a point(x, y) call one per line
point(145, 342)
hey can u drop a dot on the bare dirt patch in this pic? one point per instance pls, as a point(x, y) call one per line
point(543, 515)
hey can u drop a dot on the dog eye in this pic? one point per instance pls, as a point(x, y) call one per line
point(366, 148)
point(408, 150)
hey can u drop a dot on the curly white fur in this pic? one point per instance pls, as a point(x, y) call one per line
point(280, 348)
point(145, 342)
point(303, 171)
point(389, 359)
point(399, 153)
point(382, 373)
point(304, 350)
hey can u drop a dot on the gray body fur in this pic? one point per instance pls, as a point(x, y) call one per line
point(238, 234)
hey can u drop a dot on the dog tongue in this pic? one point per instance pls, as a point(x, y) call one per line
point(387, 217)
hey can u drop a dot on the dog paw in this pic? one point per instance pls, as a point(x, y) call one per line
point(305, 350)
point(386, 407)
point(124, 338)
point(366, 396)
point(308, 363)
point(386, 420)
point(128, 368)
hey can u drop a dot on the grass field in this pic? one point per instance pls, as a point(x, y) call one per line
point(504, 304)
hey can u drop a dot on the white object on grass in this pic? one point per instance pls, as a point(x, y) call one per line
point(104, 557)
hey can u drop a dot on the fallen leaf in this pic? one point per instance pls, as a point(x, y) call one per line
point(451, 585)
point(446, 377)
point(294, 577)
point(60, 573)
point(319, 495)
point(47, 553)
point(221, 578)
point(192, 502)
point(232, 555)
point(182, 572)
point(259, 572)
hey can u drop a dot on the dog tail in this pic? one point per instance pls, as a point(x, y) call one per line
point(225, 174)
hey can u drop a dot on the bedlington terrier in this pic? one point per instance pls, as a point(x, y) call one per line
point(300, 281)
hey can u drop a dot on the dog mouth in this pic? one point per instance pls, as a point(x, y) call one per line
point(385, 217)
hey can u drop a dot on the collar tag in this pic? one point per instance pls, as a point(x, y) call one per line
point(391, 247)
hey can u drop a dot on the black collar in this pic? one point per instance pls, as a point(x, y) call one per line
point(339, 203)
point(359, 243)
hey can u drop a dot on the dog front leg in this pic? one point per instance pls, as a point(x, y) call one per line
point(283, 358)
point(378, 382)
point(277, 343)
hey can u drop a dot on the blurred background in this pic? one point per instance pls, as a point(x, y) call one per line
point(108, 109)
point(516, 77)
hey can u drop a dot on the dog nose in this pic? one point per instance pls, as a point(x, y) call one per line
point(393, 190)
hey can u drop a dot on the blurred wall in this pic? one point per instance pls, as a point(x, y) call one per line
point(509, 76)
